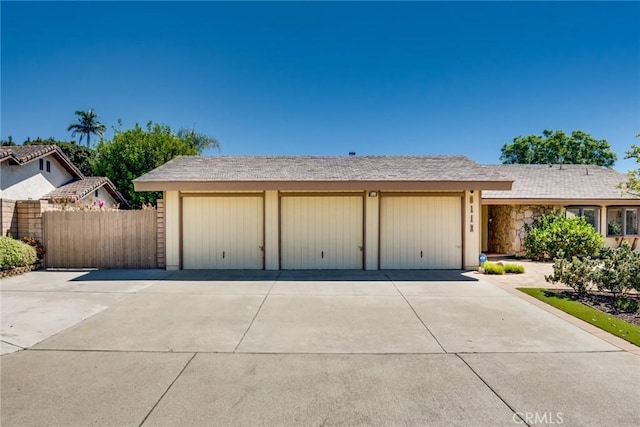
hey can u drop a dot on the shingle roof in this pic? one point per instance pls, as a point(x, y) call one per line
point(321, 169)
point(21, 154)
point(552, 182)
point(78, 189)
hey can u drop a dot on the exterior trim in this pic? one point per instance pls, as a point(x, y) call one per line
point(253, 194)
point(364, 230)
point(319, 185)
point(567, 202)
point(421, 194)
point(463, 217)
point(323, 194)
point(264, 231)
point(180, 236)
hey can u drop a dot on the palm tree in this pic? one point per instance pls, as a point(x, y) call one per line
point(87, 125)
point(198, 140)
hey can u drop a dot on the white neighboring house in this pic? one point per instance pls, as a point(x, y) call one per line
point(44, 172)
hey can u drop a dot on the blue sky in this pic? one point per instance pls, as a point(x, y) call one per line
point(327, 78)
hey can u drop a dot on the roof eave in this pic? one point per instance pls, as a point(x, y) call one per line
point(561, 201)
point(143, 185)
point(118, 197)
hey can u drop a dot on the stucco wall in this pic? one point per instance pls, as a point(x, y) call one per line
point(24, 182)
point(103, 195)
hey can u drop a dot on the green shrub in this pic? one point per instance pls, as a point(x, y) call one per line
point(491, 268)
point(627, 304)
point(616, 270)
point(14, 253)
point(619, 272)
point(557, 236)
point(578, 274)
point(513, 269)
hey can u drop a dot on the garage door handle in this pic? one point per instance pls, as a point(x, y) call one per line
point(322, 254)
point(222, 254)
point(420, 254)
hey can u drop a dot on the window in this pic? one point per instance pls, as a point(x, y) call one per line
point(48, 166)
point(41, 164)
point(622, 221)
point(589, 213)
point(95, 193)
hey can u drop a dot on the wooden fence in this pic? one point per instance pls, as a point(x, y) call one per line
point(100, 239)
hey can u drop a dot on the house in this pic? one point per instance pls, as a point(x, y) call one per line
point(589, 191)
point(322, 212)
point(44, 172)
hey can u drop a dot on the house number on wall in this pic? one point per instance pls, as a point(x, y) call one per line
point(471, 213)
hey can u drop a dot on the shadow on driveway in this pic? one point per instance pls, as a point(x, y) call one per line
point(281, 276)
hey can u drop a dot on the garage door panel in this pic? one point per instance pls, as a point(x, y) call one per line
point(321, 232)
point(421, 232)
point(222, 232)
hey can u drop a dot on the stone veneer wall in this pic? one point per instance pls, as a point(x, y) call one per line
point(508, 226)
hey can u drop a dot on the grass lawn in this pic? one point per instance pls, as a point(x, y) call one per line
point(604, 321)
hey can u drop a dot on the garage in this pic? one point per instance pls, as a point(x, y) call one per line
point(420, 231)
point(321, 232)
point(223, 232)
point(320, 212)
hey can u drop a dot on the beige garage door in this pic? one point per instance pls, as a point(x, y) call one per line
point(222, 232)
point(420, 232)
point(321, 232)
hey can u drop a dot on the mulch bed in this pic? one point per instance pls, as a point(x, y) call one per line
point(605, 303)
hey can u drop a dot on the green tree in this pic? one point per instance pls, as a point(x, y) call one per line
point(556, 147)
point(198, 140)
point(87, 124)
point(80, 156)
point(134, 152)
point(7, 142)
point(632, 186)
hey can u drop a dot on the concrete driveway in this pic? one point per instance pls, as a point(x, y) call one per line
point(299, 348)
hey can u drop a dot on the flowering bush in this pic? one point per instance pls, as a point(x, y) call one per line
point(35, 243)
point(71, 204)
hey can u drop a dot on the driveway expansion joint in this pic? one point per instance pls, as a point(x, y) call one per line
point(10, 343)
point(414, 312)
point(515, 413)
point(168, 388)
point(255, 315)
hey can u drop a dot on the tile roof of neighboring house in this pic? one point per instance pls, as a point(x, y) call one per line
point(559, 182)
point(327, 169)
point(21, 154)
point(80, 188)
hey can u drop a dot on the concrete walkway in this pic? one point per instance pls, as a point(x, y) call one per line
point(299, 348)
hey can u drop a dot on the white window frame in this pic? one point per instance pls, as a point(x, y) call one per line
point(624, 210)
point(581, 210)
